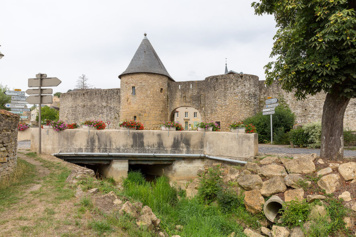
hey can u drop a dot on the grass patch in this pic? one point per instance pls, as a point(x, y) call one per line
point(100, 226)
point(31, 154)
point(11, 187)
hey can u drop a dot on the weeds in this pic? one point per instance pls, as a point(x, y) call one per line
point(210, 185)
point(295, 213)
point(100, 227)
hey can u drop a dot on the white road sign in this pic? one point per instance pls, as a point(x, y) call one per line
point(268, 113)
point(47, 91)
point(35, 99)
point(267, 110)
point(272, 105)
point(14, 93)
point(271, 101)
point(16, 112)
point(24, 117)
point(24, 109)
point(46, 82)
point(18, 98)
point(15, 105)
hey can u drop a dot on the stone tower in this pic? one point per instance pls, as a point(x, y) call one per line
point(144, 88)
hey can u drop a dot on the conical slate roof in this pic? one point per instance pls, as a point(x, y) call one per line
point(146, 60)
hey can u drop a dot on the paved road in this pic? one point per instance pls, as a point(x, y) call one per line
point(277, 149)
point(262, 148)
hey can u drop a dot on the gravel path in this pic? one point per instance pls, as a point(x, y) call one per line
point(277, 149)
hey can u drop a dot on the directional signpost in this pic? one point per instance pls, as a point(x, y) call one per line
point(271, 104)
point(18, 102)
point(38, 96)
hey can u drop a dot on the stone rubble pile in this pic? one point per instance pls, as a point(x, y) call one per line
point(286, 178)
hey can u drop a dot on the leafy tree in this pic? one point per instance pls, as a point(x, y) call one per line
point(82, 83)
point(58, 94)
point(315, 52)
point(4, 98)
point(48, 113)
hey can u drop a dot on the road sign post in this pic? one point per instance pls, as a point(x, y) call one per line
point(38, 97)
point(271, 104)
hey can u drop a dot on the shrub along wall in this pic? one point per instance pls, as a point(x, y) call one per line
point(8, 142)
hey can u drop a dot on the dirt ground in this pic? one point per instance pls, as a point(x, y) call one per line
point(47, 206)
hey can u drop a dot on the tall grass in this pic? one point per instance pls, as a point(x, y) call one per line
point(23, 174)
point(197, 218)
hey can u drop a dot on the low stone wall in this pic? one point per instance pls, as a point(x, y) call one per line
point(222, 144)
point(24, 135)
point(8, 142)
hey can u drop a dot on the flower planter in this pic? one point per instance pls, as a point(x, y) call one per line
point(238, 130)
point(208, 129)
point(46, 126)
point(164, 128)
point(88, 128)
point(127, 129)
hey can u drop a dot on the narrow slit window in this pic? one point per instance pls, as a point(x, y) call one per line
point(195, 114)
point(135, 118)
point(161, 90)
point(186, 114)
point(133, 90)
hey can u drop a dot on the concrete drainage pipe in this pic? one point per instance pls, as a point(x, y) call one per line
point(272, 207)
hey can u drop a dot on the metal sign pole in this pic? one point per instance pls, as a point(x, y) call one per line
point(39, 118)
point(271, 130)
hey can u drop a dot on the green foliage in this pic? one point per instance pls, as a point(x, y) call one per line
point(229, 200)
point(313, 133)
point(299, 137)
point(58, 94)
point(210, 185)
point(295, 213)
point(314, 46)
point(100, 226)
point(4, 98)
point(281, 137)
point(48, 113)
point(283, 121)
point(349, 138)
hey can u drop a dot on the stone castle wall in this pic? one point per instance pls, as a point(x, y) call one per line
point(224, 98)
point(8, 142)
point(98, 104)
point(308, 110)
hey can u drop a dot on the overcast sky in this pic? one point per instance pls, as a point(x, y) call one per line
point(68, 38)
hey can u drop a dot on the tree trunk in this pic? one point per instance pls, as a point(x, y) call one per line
point(332, 138)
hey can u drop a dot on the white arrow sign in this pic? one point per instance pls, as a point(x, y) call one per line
point(267, 110)
point(24, 117)
point(37, 91)
point(268, 113)
point(15, 105)
point(16, 112)
point(14, 93)
point(25, 109)
point(46, 82)
point(271, 101)
point(35, 99)
point(272, 105)
point(19, 98)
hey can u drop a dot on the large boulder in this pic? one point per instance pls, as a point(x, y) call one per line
point(269, 160)
point(254, 201)
point(280, 231)
point(106, 203)
point(253, 167)
point(293, 180)
point(302, 165)
point(324, 171)
point(346, 196)
point(273, 170)
point(294, 194)
point(148, 218)
point(348, 170)
point(311, 198)
point(273, 186)
point(130, 209)
point(250, 181)
point(251, 233)
point(329, 183)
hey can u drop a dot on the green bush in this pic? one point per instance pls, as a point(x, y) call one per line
point(313, 133)
point(349, 138)
point(295, 213)
point(210, 185)
point(228, 200)
point(48, 113)
point(299, 137)
point(283, 121)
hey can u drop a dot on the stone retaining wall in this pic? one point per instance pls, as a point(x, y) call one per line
point(8, 142)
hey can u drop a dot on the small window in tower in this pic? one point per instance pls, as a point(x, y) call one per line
point(133, 90)
point(179, 87)
point(195, 114)
point(161, 90)
point(186, 114)
point(135, 118)
point(191, 86)
point(177, 114)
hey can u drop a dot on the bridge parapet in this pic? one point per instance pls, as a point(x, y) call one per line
point(222, 144)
